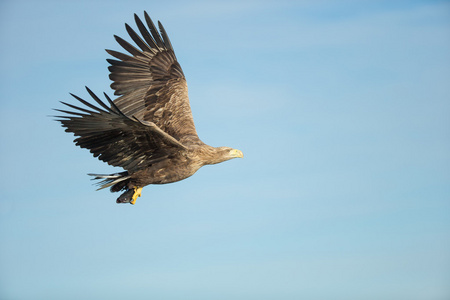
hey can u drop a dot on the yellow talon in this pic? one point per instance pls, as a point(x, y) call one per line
point(137, 193)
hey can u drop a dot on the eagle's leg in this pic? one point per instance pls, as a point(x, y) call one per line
point(137, 193)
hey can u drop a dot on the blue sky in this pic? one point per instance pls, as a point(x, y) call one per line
point(340, 107)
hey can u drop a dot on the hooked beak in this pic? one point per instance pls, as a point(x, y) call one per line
point(236, 153)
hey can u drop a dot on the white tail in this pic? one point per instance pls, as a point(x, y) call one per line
point(109, 179)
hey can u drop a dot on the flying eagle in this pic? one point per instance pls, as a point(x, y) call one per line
point(149, 130)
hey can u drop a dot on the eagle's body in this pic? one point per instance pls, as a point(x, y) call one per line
point(149, 130)
point(178, 167)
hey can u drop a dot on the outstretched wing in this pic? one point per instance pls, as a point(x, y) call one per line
point(116, 138)
point(151, 83)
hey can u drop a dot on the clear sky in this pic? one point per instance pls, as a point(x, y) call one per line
point(340, 107)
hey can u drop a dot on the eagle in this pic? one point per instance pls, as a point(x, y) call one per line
point(149, 129)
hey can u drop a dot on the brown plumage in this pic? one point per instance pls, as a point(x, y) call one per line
point(149, 130)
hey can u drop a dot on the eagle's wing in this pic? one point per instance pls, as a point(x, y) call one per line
point(151, 83)
point(116, 138)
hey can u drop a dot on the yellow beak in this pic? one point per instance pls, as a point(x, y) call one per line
point(236, 153)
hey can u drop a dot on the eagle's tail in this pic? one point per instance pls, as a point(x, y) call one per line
point(117, 181)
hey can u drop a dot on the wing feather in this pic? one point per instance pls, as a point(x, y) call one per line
point(115, 138)
point(127, 58)
point(130, 48)
point(165, 36)
point(153, 30)
point(137, 39)
point(145, 34)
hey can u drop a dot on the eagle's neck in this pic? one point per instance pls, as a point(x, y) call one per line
point(208, 155)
